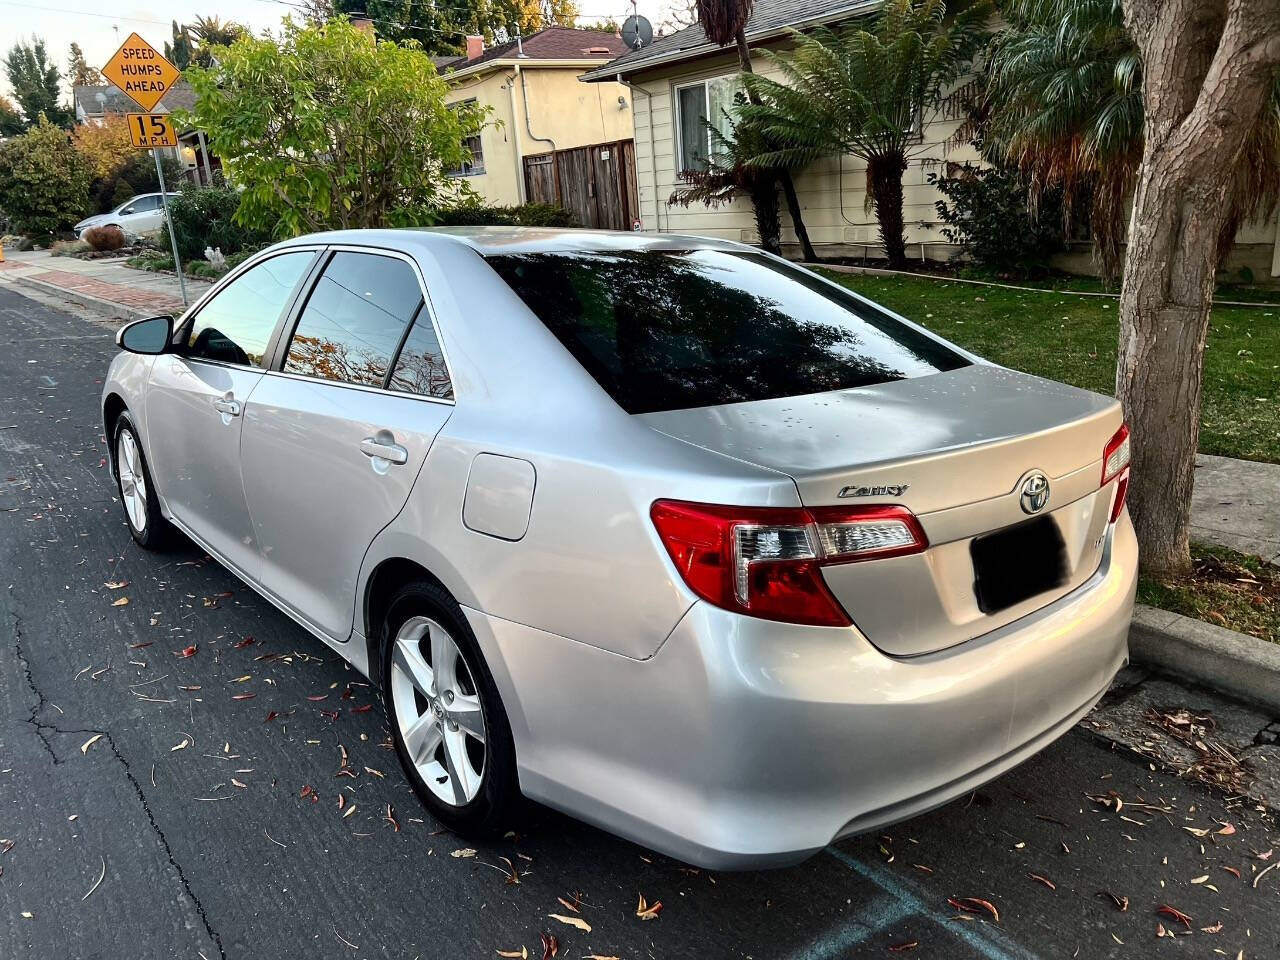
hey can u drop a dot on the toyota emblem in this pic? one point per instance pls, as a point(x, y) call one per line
point(1035, 492)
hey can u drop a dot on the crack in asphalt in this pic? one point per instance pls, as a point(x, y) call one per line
point(43, 731)
point(41, 700)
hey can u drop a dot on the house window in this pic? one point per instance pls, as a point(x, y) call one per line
point(697, 104)
point(475, 166)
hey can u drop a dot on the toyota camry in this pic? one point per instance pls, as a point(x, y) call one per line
point(663, 532)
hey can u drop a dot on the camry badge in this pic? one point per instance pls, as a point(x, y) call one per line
point(1035, 492)
point(889, 490)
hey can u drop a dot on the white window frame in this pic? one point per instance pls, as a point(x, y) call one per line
point(705, 84)
point(471, 169)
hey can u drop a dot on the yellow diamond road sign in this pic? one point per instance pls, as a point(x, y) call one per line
point(141, 72)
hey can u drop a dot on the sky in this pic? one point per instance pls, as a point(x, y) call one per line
point(101, 28)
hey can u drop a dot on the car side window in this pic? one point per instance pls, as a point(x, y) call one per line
point(420, 367)
point(355, 319)
point(236, 325)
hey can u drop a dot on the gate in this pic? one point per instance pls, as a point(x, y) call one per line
point(597, 184)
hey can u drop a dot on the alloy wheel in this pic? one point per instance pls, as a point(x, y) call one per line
point(133, 482)
point(437, 711)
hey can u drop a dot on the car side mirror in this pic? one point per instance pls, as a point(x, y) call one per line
point(150, 336)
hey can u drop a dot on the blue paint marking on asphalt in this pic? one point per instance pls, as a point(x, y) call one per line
point(986, 941)
point(880, 913)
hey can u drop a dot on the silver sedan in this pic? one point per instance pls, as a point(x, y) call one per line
point(660, 531)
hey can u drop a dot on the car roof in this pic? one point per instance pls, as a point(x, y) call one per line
point(490, 241)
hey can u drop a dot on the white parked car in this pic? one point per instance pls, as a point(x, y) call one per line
point(138, 215)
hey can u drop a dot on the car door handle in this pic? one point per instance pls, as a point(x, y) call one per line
point(384, 447)
point(228, 406)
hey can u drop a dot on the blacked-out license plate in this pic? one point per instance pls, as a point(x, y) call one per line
point(1017, 563)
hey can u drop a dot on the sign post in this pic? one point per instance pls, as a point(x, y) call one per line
point(143, 74)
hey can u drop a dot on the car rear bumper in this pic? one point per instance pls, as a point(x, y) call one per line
point(745, 743)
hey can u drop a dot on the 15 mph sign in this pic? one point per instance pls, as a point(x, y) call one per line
point(141, 72)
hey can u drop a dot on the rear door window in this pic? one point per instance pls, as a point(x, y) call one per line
point(355, 319)
point(672, 329)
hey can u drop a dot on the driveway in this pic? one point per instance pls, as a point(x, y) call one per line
point(186, 773)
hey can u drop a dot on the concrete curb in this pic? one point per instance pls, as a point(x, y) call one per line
point(86, 300)
point(1233, 663)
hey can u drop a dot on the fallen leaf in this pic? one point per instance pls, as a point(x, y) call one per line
point(646, 911)
point(1216, 928)
point(1226, 831)
point(186, 742)
point(463, 853)
point(90, 742)
point(116, 584)
point(121, 602)
point(1200, 879)
point(243, 696)
point(903, 947)
point(550, 945)
point(350, 810)
point(1045, 880)
point(186, 652)
point(241, 644)
point(364, 709)
point(572, 921)
point(27, 914)
point(975, 905)
point(323, 696)
point(1233, 871)
point(521, 954)
point(1175, 914)
point(1197, 831)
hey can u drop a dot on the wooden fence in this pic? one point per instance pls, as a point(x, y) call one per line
point(597, 184)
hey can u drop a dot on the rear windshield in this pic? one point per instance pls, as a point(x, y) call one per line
point(671, 329)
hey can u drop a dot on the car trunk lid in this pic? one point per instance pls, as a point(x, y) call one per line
point(955, 448)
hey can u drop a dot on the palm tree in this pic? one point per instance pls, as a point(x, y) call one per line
point(730, 173)
point(725, 22)
point(863, 90)
point(1064, 102)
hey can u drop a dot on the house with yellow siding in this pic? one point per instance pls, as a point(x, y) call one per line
point(680, 81)
point(536, 103)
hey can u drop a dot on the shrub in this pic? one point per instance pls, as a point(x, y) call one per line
point(152, 260)
point(986, 214)
point(109, 237)
point(525, 215)
point(202, 268)
point(204, 218)
point(66, 248)
point(44, 182)
point(327, 128)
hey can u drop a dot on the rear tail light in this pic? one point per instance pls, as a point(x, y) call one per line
point(766, 561)
point(1115, 464)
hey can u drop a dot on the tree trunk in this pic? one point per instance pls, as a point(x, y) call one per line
point(1207, 70)
point(884, 177)
point(764, 201)
point(784, 176)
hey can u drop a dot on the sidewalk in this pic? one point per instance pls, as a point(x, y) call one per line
point(105, 286)
point(1235, 502)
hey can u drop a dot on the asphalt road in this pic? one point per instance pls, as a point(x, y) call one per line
point(154, 805)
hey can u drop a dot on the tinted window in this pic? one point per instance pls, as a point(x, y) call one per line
point(420, 367)
point(355, 319)
point(144, 205)
point(664, 330)
point(236, 324)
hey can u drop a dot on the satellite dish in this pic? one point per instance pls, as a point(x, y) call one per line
point(637, 32)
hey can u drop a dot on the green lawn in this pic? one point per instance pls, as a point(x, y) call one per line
point(1233, 590)
point(1073, 339)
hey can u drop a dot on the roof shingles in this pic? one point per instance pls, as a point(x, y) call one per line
point(550, 43)
point(768, 18)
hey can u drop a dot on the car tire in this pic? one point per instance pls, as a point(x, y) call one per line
point(469, 785)
point(137, 491)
